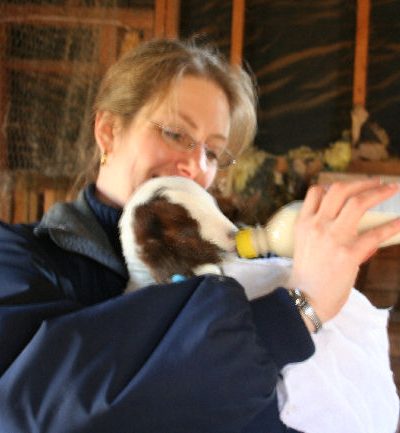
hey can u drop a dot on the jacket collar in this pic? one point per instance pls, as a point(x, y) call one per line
point(73, 227)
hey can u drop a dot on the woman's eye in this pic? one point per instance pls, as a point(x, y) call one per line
point(173, 135)
point(211, 155)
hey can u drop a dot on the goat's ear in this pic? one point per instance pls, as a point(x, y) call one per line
point(169, 240)
point(149, 228)
point(148, 225)
point(158, 226)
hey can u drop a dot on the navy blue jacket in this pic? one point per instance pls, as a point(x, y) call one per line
point(78, 356)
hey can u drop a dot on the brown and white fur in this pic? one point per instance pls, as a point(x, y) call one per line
point(171, 225)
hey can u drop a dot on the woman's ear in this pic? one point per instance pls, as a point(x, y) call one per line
point(104, 131)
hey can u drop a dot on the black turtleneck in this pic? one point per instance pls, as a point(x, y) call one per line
point(107, 216)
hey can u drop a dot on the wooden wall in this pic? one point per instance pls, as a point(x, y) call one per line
point(303, 54)
point(52, 56)
point(380, 282)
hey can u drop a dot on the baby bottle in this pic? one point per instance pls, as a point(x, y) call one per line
point(277, 235)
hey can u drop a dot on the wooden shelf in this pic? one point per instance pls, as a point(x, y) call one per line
point(390, 167)
point(327, 177)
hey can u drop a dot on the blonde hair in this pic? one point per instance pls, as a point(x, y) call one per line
point(150, 70)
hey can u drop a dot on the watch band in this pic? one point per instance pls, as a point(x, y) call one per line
point(305, 308)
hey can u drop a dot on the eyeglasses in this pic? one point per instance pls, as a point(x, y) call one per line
point(180, 140)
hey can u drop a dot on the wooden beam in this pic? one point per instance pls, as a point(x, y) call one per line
point(138, 18)
point(21, 202)
point(237, 31)
point(50, 67)
point(159, 18)
point(6, 195)
point(4, 100)
point(361, 53)
point(107, 46)
point(166, 21)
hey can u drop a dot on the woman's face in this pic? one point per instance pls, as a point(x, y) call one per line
point(197, 107)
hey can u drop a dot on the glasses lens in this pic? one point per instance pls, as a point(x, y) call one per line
point(183, 142)
point(225, 160)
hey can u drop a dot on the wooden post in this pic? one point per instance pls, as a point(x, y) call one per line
point(6, 195)
point(361, 53)
point(237, 30)
point(4, 100)
point(20, 200)
point(107, 46)
point(167, 15)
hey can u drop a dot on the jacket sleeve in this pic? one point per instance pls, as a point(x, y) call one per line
point(188, 357)
point(26, 276)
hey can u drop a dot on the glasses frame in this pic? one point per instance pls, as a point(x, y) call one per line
point(191, 143)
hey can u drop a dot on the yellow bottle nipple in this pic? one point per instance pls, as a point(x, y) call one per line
point(244, 244)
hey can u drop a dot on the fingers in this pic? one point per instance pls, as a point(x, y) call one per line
point(312, 200)
point(328, 245)
point(351, 199)
point(340, 192)
point(355, 207)
point(371, 239)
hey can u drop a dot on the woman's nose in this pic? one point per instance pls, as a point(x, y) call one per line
point(190, 164)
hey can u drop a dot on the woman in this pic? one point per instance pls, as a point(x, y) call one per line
point(193, 357)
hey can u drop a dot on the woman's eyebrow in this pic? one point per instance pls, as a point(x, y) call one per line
point(188, 119)
point(192, 123)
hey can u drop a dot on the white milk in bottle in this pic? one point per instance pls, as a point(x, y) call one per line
point(277, 235)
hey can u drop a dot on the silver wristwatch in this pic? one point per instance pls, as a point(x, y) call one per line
point(305, 308)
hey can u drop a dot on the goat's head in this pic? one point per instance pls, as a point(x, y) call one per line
point(173, 226)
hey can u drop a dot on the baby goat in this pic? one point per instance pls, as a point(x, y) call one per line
point(173, 226)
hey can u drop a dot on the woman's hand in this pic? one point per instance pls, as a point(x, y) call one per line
point(328, 250)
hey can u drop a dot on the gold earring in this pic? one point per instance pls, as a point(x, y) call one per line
point(103, 158)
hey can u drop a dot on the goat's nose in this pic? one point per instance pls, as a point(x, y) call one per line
point(231, 237)
point(232, 233)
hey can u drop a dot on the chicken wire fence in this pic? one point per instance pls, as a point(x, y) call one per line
point(50, 68)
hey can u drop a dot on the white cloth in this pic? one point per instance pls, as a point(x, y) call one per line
point(347, 386)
